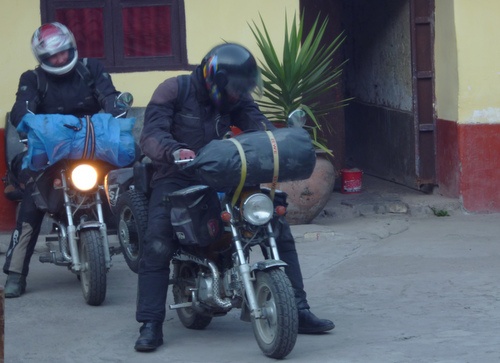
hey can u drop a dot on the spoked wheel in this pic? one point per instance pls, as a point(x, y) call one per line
point(93, 273)
point(188, 317)
point(276, 331)
point(132, 210)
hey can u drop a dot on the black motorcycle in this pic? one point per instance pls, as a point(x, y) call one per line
point(70, 191)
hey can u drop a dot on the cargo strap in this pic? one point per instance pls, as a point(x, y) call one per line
point(274, 181)
point(89, 146)
point(243, 175)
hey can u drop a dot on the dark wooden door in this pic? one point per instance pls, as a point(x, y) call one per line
point(422, 36)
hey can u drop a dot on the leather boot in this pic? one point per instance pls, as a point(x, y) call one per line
point(15, 285)
point(311, 324)
point(151, 336)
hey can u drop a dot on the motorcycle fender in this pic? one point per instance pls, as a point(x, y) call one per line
point(261, 266)
point(267, 264)
point(89, 225)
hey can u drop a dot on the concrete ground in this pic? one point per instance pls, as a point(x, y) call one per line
point(401, 283)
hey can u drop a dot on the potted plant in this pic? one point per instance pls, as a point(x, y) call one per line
point(305, 72)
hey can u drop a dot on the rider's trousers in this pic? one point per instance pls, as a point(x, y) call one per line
point(23, 239)
point(159, 247)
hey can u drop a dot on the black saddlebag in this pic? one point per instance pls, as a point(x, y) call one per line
point(196, 215)
point(46, 198)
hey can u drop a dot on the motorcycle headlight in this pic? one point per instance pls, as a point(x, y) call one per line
point(258, 209)
point(84, 177)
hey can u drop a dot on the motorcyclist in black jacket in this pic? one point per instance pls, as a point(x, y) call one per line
point(219, 96)
point(61, 84)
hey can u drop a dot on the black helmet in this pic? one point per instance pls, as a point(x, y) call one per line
point(230, 72)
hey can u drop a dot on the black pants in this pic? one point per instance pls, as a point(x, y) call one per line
point(159, 247)
point(23, 239)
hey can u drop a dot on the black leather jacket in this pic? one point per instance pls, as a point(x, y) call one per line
point(169, 126)
point(68, 94)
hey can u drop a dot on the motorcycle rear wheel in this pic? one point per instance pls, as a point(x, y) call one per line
point(276, 332)
point(186, 279)
point(93, 273)
point(132, 214)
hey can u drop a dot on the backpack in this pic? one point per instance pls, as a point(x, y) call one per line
point(82, 70)
point(184, 82)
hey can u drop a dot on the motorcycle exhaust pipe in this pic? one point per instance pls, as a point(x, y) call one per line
point(223, 303)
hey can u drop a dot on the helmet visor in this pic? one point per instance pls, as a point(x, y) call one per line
point(240, 86)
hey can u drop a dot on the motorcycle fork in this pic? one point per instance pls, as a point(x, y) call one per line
point(244, 268)
point(272, 243)
point(71, 229)
point(103, 229)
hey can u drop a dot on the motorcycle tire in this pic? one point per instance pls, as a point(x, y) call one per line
point(276, 332)
point(180, 289)
point(132, 219)
point(93, 273)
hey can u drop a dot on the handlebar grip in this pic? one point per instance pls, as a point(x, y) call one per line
point(183, 161)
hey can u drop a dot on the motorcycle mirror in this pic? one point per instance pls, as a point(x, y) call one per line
point(124, 101)
point(297, 118)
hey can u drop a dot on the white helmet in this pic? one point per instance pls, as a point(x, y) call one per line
point(50, 39)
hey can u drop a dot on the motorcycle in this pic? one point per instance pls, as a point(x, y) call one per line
point(215, 268)
point(70, 191)
point(209, 281)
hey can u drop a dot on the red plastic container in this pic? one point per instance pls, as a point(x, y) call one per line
point(351, 181)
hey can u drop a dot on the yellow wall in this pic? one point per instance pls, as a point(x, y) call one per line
point(208, 22)
point(445, 55)
point(468, 61)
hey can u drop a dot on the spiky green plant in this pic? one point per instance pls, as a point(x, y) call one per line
point(305, 71)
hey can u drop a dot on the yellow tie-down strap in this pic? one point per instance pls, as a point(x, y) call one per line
point(243, 175)
point(274, 146)
point(276, 170)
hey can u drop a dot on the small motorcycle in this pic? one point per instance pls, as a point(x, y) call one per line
point(216, 268)
point(70, 191)
point(214, 275)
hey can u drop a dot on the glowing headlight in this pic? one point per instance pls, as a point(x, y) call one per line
point(258, 209)
point(84, 177)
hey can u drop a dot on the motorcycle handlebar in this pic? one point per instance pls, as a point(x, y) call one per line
point(183, 161)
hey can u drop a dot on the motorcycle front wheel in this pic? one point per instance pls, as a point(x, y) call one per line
point(276, 331)
point(93, 272)
point(132, 214)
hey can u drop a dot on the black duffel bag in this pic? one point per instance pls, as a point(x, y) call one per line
point(258, 157)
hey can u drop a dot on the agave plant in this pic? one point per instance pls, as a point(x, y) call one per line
point(305, 71)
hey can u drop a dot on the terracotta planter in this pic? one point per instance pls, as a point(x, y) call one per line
point(307, 198)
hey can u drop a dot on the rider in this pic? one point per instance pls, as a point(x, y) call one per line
point(219, 96)
point(62, 84)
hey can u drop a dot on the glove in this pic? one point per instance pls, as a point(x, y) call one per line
point(183, 154)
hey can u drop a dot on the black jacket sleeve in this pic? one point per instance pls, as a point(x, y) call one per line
point(105, 90)
point(248, 117)
point(156, 139)
point(26, 97)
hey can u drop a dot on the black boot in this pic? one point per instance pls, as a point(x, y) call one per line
point(151, 337)
point(15, 285)
point(311, 324)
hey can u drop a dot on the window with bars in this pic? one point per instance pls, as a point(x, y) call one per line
point(126, 35)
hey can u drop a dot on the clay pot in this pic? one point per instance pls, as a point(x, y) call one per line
point(307, 198)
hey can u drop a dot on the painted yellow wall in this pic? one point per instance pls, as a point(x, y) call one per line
point(208, 22)
point(445, 54)
point(466, 40)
